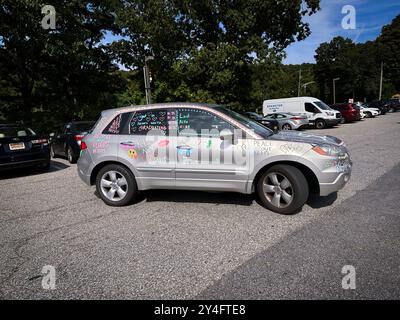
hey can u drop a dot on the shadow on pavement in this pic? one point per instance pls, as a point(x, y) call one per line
point(31, 171)
point(316, 202)
point(196, 197)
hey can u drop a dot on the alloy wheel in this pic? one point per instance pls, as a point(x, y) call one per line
point(114, 185)
point(278, 190)
point(286, 127)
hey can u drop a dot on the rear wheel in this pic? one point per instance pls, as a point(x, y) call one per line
point(320, 124)
point(283, 189)
point(286, 126)
point(72, 158)
point(116, 185)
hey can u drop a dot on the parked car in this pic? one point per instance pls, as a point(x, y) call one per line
point(317, 112)
point(269, 123)
point(188, 146)
point(393, 104)
point(22, 147)
point(289, 121)
point(370, 112)
point(380, 105)
point(350, 112)
point(67, 141)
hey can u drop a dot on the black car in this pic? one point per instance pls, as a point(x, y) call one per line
point(67, 142)
point(393, 104)
point(22, 147)
point(379, 104)
point(269, 123)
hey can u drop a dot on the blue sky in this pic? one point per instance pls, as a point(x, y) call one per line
point(371, 16)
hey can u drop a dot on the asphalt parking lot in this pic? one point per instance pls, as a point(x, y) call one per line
point(184, 245)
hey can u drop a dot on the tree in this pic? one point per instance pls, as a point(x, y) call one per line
point(60, 74)
point(204, 50)
point(388, 48)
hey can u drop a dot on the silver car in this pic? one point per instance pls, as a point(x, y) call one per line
point(188, 146)
point(289, 121)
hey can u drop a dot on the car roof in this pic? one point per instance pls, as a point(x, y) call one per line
point(162, 105)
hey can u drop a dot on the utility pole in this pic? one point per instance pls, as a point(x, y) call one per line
point(334, 90)
point(305, 86)
point(298, 90)
point(147, 81)
point(381, 82)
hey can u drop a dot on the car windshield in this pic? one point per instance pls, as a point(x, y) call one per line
point(7, 132)
point(322, 105)
point(248, 123)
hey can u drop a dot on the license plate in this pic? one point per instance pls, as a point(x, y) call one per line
point(17, 146)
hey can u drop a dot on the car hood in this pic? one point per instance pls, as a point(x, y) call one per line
point(305, 137)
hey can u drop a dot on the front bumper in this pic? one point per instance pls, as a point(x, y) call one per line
point(333, 122)
point(326, 189)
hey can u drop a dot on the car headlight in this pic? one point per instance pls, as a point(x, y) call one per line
point(329, 151)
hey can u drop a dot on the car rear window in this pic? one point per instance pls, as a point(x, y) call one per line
point(83, 127)
point(7, 132)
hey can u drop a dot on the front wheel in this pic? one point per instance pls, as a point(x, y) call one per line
point(320, 124)
point(116, 185)
point(283, 189)
point(286, 126)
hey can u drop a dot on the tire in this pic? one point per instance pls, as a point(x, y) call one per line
point(369, 114)
point(320, 124)
point(286, 126)
point(128, 186)
point(297, 189)
point(52, 153)
point(72, 158)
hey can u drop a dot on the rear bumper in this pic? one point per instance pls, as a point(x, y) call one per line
point(84, 177)
point(23, 164)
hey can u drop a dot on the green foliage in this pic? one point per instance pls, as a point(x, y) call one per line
point(226, 52)
point(51, 76)
point(359, 66)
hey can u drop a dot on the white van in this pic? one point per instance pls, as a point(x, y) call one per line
point(317, 112)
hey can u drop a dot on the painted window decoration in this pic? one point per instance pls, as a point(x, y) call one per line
point(158, 120)
point(116, 126)
point(198, 120)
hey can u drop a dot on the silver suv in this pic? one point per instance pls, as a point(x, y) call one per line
point(188, 146)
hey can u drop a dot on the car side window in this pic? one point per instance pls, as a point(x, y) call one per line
point(280, 116)
point(161, 120)
point(311, 108)
point(201, 122)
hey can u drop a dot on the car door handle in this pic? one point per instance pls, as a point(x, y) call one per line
point(129, 143)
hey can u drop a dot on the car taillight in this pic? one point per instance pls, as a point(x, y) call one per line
point(296, 118)
point(83, 145)
point(40, 141)
point(78, 138)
